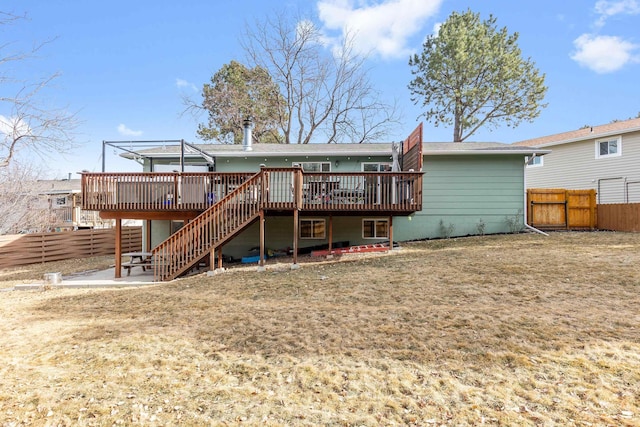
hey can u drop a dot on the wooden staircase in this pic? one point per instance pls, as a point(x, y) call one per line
point(187, 247)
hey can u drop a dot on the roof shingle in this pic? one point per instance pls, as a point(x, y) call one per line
point(624, 126)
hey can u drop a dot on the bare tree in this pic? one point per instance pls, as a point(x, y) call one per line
point(326, 91)
point(27, 123)
point(21, 207)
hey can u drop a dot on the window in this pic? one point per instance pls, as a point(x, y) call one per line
point(537, 161)
point(375, 228)
point(376, 167)
point(312, 228)
point(316, 166)
point(609, 147)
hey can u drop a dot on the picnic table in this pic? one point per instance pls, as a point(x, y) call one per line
point(137, 259)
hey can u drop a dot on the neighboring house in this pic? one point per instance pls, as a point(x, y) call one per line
point(45, 205)
point(299, 197)
point(604, 158)
point(61, 204)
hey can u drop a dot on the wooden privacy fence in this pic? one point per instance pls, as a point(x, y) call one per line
point(556, 208)
point(619, 217)
point(24, 249)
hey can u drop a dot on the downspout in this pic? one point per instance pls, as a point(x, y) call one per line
point(524, 175)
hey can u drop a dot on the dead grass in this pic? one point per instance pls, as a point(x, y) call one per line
point(499, 330)
point(35, 272)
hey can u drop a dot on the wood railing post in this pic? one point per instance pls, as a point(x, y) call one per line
point(118, 248)
point(264, 188)
point(261, 238)
point(297, 188)
point(295, 236)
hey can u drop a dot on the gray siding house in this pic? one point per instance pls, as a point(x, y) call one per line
point(604, 158)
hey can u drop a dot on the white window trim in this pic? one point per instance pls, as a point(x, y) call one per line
point(375, 220)
point(324, 229)
point(535, 165)
point(618, 153)
point(362, 166)
point(301, 164)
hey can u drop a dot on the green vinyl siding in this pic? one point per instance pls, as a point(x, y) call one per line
point(338, 163)
point(460, 190)
point(464, 191)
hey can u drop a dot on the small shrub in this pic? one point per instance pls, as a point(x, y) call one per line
point(481, 226)
point(515, 222)
point(446, 231)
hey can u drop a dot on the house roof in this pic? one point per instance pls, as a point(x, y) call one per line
point(476, 148)
point(615, 128)
point(54, 186)
point(44, 187)
point(371, 149)
point(260, 150)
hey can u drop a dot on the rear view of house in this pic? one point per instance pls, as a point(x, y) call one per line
point(214, 201)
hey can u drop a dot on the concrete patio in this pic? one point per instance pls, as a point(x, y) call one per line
point(95, 279)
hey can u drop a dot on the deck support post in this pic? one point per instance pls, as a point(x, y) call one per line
point(295, 236)
point(219, 257)
point(118, 248)
point(261, 238)
point(148, 236)
point(330, 234)
point(390, 233)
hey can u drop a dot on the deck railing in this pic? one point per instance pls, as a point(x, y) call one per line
point(157, 191)
point(281, 189)
point(362, 191)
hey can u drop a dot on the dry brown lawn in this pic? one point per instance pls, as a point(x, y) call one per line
point(499, 330)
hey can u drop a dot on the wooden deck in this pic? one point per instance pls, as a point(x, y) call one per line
point(160, 195)
point(218, 206)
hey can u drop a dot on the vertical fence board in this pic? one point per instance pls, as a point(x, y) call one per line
point(619, 217)
point(24, 249)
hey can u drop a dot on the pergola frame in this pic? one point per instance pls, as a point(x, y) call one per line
point(128, 147)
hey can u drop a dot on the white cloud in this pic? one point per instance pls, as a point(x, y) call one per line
point(603, 54)
point(13, 126)
point(125, 131)
point(436, 28)
point(381, 27)
point(181, 83)
point(607, 8)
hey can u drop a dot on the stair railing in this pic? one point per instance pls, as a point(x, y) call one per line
point(190, 244)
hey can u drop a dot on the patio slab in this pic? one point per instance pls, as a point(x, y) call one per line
point(96, 279)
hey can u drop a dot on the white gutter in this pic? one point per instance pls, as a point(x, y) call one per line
point(524, 216)
point(512, 151)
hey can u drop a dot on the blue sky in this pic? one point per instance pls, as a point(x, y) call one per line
point(125, 65)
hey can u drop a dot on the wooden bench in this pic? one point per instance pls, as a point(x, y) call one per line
point(137, 259)
point(130, 265)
